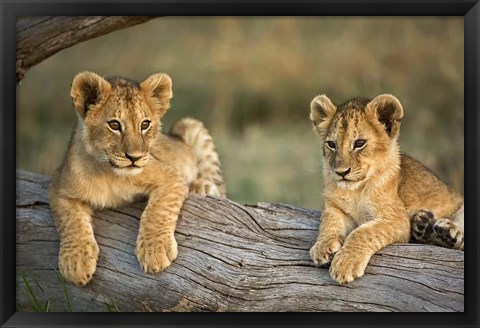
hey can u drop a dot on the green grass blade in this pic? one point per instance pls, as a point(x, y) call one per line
point(36, 283)
point(47, 306)
point(31, 294)
point(112, 306)
point(65, 292)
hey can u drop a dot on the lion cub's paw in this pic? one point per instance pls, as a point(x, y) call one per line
point(156, 253)
point(78, 260)
point(426, 228)
point(448, 234)
point(323, 252)
point(421, 226)
point(347, 266)
point(203, 187)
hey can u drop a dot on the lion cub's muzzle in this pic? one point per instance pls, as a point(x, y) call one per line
point(345, 175)
point(128, 164)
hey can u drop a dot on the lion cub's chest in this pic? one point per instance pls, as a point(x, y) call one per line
point(359, 207)
point(103, 192)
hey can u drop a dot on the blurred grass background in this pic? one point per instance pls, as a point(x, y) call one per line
point(251, 80)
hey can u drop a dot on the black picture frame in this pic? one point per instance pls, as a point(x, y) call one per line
point(470, 10)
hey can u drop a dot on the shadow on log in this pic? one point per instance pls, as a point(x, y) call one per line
point(232, 257)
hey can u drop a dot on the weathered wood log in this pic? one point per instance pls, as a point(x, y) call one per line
point(40, 37)
point(232, 257)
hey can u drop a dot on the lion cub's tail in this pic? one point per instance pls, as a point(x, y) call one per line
point(209, 179)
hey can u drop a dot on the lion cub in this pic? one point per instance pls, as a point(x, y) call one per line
point(372, 191)
point(117, 154)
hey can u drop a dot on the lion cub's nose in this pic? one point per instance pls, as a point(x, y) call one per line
point(343, 172)
point(133, 157)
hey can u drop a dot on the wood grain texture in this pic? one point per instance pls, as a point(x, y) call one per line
point(232, 257)
point(40, 37)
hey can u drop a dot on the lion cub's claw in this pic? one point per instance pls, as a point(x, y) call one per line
point(157, 253)
point(78, 263)
point(322, 253)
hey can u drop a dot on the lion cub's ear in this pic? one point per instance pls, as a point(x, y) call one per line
point(389, 112)
point(158, 91)
point(321, 109)
point(89, 91)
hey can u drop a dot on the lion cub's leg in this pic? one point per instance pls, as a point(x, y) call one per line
point(156, 246)
point(445, 232)
point(334, 226)
point(350, 262)
point(209, 180)
point(78, 247)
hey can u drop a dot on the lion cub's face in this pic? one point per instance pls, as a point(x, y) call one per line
point(120, 119)
point(358, 137)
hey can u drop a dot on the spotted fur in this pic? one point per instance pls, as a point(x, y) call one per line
point(209, 179)
point(371, 190)
point(118, 154)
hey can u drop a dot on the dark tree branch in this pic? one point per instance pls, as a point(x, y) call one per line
point(42, 36)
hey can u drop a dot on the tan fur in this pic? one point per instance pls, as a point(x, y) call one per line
point(371, 191)
point(117, 154)
point(209, 178)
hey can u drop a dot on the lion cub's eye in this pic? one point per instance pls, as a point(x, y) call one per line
point(359, 143)
point(331, 144)
point(145, 125)
point(115, 125)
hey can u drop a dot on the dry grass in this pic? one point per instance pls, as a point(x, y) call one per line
point(252, 79)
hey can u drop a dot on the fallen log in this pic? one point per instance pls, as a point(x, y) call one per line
point(40, 37)
point(232, 257)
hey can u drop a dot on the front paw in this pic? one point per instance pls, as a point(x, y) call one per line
point(156, 253)
point(323, 252)
point(78, 260)
point(347, 266)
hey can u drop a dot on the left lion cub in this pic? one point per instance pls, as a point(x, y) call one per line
point(118, 154)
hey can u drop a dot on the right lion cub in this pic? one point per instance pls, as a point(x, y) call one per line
point(374, 195)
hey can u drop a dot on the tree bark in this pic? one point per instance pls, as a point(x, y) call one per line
point(40, 37)
point(232, 257)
